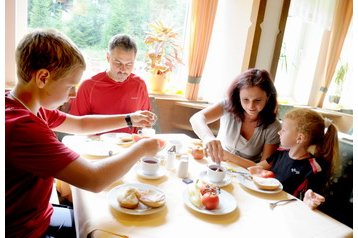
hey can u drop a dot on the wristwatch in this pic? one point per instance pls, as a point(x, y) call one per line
point(129, 121)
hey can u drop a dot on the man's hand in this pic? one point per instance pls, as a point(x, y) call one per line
point(143, 118)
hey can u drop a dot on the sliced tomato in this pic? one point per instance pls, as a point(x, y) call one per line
point(267, 174)
point(210, 200)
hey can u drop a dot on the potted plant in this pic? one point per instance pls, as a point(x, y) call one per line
point(163, 55)
point(338, 81)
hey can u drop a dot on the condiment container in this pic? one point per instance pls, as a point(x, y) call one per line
point(183, 166)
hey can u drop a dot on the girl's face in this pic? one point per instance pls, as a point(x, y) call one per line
point(288, 133)
point(57, 92)
point(253, 100)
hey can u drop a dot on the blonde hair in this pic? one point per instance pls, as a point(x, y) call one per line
point(47, 49)
point(312, 124)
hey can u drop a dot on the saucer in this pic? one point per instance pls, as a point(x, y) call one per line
point(227, 180)
point(160, 173)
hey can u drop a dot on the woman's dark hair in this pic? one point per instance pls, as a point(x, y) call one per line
point(253, 78)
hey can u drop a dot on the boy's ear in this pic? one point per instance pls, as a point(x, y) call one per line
point(42, 77)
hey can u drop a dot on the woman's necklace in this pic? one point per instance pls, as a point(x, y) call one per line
point(17, 99)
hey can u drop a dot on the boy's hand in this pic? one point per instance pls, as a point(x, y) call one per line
point(313, 199)
point(151, 146)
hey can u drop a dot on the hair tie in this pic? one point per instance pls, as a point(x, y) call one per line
point(327, 122)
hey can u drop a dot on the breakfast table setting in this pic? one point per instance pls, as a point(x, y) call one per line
point(193, 197)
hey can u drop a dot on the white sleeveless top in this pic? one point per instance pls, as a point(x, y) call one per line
point(232, 141)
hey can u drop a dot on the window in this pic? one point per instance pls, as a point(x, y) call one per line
point(307, 26)
point(339, 92)
point(91, 23)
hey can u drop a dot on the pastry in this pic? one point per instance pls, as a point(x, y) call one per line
point(151, 198)
point(128, 198)
point(126, 139)
point(266, 183)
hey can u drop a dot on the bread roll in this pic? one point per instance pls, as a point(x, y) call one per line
point(266, 183)
point(128, 198)
point(151, 198)
point(126, 139)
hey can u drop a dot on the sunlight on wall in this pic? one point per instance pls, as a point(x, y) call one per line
point(228, 41)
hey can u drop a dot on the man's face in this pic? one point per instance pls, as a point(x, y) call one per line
point(121, 64)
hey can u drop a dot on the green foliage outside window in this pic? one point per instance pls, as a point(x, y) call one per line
point(90, 23)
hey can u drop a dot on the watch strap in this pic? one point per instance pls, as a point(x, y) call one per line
point(129, 121)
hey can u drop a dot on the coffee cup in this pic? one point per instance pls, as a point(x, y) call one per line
point(147, 131)
point(149, 165)
point(216, 173)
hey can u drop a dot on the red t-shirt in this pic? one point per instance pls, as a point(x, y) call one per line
point(102, 95)
point(33, 156)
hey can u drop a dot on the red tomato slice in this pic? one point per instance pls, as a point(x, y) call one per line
point(210, 201)
point(267, 174)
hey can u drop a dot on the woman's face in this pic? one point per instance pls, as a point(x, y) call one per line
point(288, 133)
point(253, 100)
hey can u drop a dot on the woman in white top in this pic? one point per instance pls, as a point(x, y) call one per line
point(248, 121)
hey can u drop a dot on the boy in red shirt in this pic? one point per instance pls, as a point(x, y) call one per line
point(48, 66)
point(117, 90)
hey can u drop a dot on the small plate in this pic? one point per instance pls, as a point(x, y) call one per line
point(116, 138)
point(227, 204)
point(141, 209)
point(249, 183)
point(160, 173)
point(100, 148)
point(227, 180)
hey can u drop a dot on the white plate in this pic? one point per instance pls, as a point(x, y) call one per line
point(227, 204)
point(227, 180)
point(116, 138)
point(160, 173)
point(100, 148)
point(141, 209)
point(248, 183)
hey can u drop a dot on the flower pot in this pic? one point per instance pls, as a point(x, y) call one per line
point(158, 83)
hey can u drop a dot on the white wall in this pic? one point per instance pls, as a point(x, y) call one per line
point(227, 47)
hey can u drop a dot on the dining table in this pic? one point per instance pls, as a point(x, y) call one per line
point(245, 211)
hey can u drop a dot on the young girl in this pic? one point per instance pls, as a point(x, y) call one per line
point(310, 157)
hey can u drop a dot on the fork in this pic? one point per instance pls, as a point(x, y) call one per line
point(285, 201)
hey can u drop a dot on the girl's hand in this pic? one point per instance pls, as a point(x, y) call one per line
point(214, 149)
point(313, 199)
point(257, 169)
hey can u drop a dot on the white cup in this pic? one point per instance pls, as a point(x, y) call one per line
point(147, 131)
point(216, 173)
point(149, 165)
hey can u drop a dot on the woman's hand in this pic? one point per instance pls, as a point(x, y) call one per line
point(143, 118)
point(313, 199)
point(214, 149)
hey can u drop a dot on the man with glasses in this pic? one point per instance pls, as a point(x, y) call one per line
point(117, 90)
